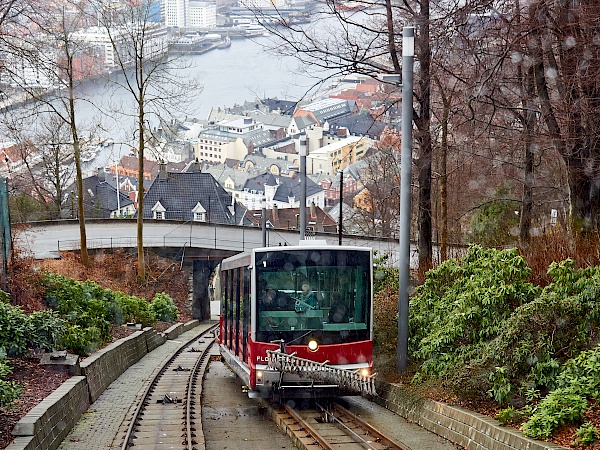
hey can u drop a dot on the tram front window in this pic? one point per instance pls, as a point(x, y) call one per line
point(308, 292)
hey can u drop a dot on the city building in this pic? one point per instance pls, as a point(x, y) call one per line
point(202, 15)
point(319, 113)
point(283, 192)
point(191, 196)
point(190, 14)
point(317, 220)
point(101, 200)
point(232, 139)
point(333, 157)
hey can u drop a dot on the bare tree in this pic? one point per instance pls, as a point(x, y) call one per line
point(43, 45)
point(150, 75)
point(566, 60)
point(380, 201)
point(44, 163)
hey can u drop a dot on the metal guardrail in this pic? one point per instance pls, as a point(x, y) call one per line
point(213, 241)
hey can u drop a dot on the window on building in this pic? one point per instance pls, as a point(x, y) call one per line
point(160, 215)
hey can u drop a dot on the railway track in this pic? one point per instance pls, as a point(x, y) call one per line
point(165, 417)
point(331, 427)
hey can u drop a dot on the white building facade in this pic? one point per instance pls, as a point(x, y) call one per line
point(202, 15)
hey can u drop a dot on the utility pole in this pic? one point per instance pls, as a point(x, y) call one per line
point(264, 221)
point(408, 54)
point(302, 152)
point(341, 172)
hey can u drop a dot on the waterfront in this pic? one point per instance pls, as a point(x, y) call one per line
point(230, 76)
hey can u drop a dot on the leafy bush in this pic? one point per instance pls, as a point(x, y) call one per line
point(462, 305)
point(44, 329)
point(478, 324)
point(20, 332)
point(89, 310)
point(492, 223)
point(561, 406)
point(135, 310)
point(509, 416)
point(163, 308)
point(557, 325)
point(13, 331)
point(586, 434)
point(578, 381)
point(81, 340)
point(9, 390)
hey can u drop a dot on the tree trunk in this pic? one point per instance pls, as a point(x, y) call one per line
point(85, 260)
point(529, 120)
point(423, 138)
point(444, 185)
point(141, 272)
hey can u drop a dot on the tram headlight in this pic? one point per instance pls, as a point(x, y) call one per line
point(313, 345)
point(366, 372)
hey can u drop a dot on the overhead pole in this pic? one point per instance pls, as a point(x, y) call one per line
point(408, 53)
point(263, 221)
point(341, 204)
point(302, 152)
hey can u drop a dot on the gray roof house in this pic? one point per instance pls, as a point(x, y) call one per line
point(282, 192)
point(100, 199)
point(191, 195)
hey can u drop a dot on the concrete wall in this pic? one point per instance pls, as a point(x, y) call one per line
point(105, 366)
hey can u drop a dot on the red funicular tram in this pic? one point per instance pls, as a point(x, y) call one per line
point(297, 321)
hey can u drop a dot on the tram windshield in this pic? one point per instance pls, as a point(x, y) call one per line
point(324, 291)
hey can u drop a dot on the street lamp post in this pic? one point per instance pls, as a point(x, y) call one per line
point(408, 53)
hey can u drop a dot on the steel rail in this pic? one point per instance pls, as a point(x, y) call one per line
point(381, 438)
point(142, 404)
point(201, 363)
point(314, 433)
point(346, 428)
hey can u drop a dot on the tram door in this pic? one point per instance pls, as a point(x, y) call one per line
point(246, 302)
point(237, 287)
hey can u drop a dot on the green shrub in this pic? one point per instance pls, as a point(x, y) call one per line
point(461, 307)
point(43, 329)
point(561, 406)
point(492, 222)
point(502, 388)
point(578, 381)
point(9, 390)
point(163, 308)
point(509, 416)
point(586, 434)
point(81, 341)
point(135, 310)
point(13, 329)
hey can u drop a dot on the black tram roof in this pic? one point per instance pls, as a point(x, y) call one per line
point(245, 259)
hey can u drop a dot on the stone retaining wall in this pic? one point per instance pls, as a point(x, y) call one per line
point(466, 428)
point(47, 424)
point(106, 365)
